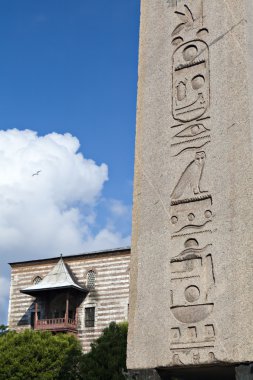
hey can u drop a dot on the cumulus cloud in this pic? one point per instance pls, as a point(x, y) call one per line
point(4, 293)
point(118, 208)
point(54, 211)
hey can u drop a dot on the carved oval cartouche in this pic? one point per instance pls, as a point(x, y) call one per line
point(191, 65)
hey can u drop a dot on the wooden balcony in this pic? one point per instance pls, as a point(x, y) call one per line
point(56, 325)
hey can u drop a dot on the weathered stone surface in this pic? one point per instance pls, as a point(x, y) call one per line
point(192, 246)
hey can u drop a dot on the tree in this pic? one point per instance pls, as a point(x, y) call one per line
point(39, 355)
point(3, 329)
point(107, 357)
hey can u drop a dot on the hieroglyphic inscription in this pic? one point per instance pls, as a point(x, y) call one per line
point(192, 279)
point(192, 269)
point(190, 81)
point(190, 178)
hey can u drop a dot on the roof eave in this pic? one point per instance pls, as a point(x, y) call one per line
point(79, 255)
point(32, 292)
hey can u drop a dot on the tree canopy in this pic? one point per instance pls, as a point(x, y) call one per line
point(3, 329)
point(107, 357)
point(36, 355)
point(39, 355)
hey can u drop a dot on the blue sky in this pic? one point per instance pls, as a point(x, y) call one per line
point(69, 67)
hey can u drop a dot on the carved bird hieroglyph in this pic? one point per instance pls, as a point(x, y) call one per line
point(190, 179)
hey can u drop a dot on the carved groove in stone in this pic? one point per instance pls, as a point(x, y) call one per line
point(192, 148)
point(196, 346)
point(201, 119)
point(191, 233)
point(193, 199)
point(192, 131)
point(192, 140)
point(209, 332)
point(176, 334)
point(193, 226)
point(192, 337)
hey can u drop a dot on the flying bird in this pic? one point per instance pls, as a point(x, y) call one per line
point(37, 173)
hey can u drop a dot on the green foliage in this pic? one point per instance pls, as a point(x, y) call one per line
point(107, 357)
point(3, 329)
point(39, 355)
point(31, 355)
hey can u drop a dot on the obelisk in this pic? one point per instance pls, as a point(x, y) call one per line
point(191, 279)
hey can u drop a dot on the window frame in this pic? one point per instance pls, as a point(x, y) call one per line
point(91, 282)
point(37, 277)
point(89, 320)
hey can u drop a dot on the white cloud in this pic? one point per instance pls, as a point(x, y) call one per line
point(52, 212)
point(109, 238)
point(118, 208)
point(4, 295)
point(43, 210)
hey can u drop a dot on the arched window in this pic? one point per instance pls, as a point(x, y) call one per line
point(36, 280)
point(91, 279)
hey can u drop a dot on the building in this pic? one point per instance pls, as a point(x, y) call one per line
point(79, 294)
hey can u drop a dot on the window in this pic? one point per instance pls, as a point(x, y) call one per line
point(91, 279)
point(36, 280)
point(89, 316)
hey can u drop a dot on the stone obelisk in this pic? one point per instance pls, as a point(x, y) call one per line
point(191, 281)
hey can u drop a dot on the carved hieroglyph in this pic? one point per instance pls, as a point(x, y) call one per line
point(190, 81)
point(191, 177)
point(192, 269)
point(191, 256)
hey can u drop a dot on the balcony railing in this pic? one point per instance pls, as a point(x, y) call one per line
point(56, 324)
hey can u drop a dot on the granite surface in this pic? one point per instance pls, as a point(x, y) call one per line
point(191, 280)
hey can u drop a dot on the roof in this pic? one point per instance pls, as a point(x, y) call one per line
point(58, 278)
point(86, 254)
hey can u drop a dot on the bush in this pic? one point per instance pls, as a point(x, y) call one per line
point(107, 357)
point(39, 355)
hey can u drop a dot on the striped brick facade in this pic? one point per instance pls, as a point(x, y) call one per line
point(109, 297)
